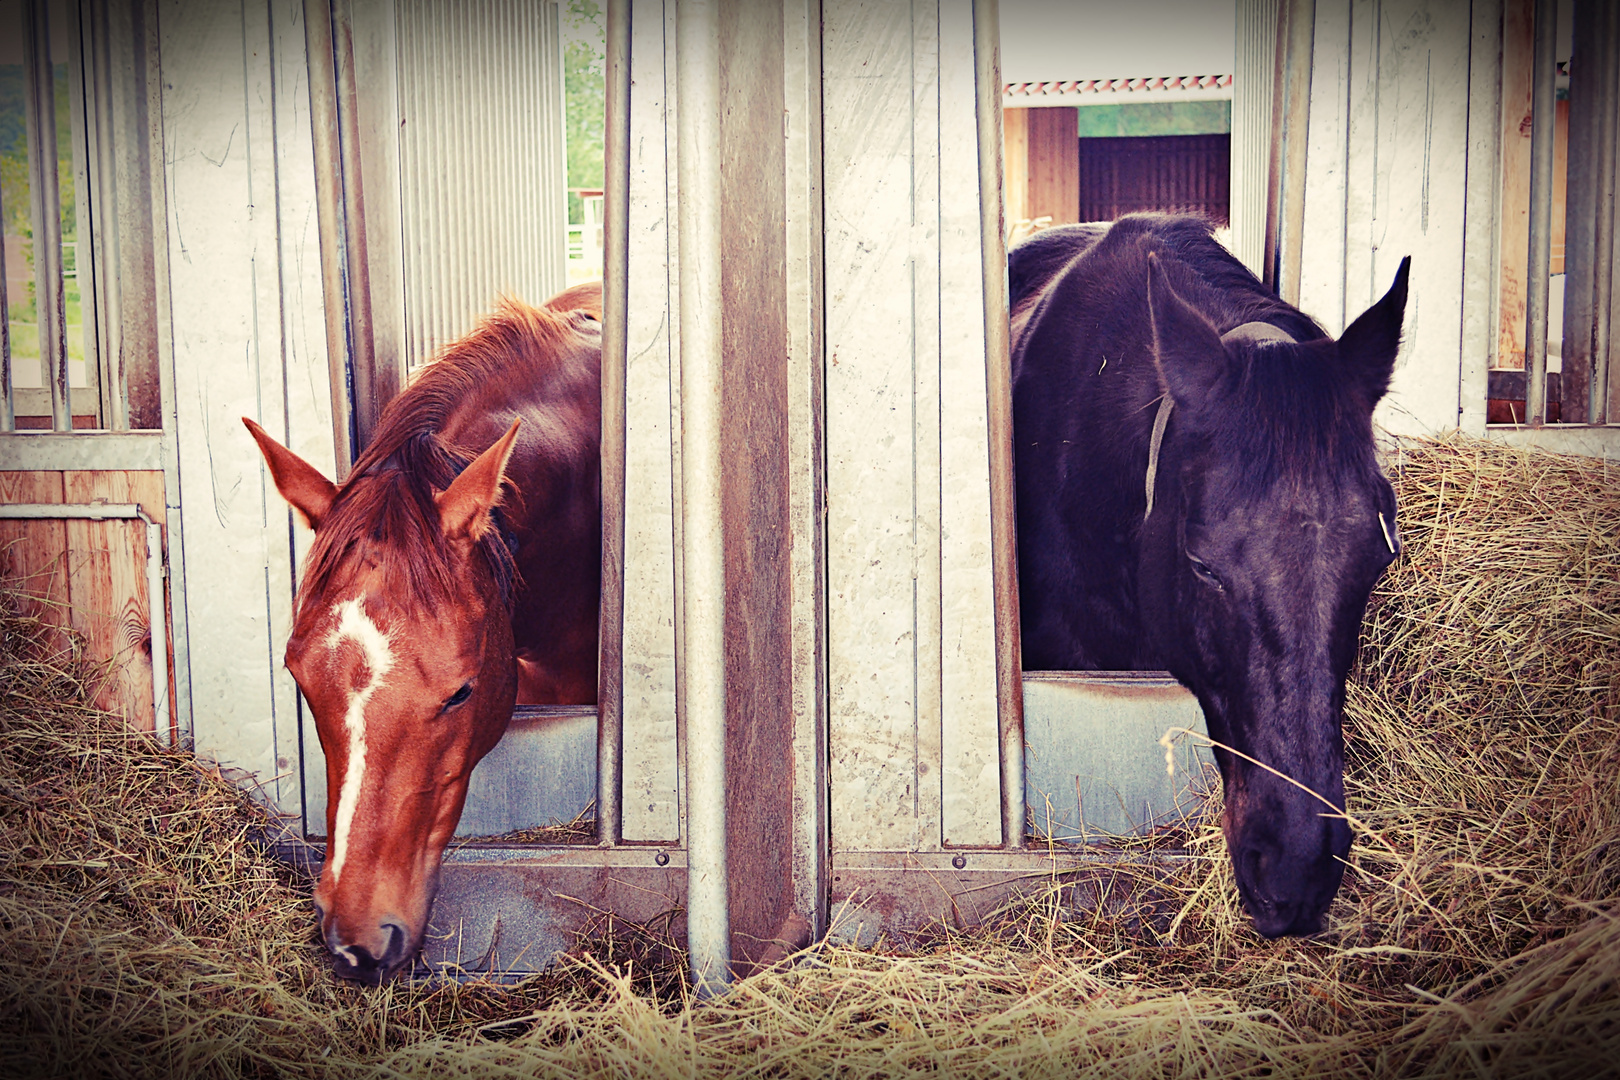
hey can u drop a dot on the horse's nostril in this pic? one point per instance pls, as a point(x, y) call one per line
point(397, 939)
point(357, 957)
point(1251, 864)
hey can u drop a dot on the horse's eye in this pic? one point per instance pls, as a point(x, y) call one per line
point(1205, 574)
point(459, 696)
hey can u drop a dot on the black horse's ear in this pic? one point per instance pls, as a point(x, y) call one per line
point(1368, 346)
point(1187, 348)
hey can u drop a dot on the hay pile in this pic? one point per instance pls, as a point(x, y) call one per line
point(1476, 934)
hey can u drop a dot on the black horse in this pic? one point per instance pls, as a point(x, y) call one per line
point(1198, 491)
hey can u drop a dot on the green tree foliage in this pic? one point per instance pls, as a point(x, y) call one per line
point(585, 92)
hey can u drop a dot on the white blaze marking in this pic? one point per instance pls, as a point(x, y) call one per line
point(356, 626)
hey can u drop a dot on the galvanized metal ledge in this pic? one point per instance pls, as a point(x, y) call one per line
point(55, 451)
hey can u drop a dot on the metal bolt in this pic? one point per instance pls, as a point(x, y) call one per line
point(959, 861)
point(662, 858)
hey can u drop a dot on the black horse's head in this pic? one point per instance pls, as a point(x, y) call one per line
point(1271, 525)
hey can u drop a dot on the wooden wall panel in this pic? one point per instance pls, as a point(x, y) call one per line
point(1054, 164)
point(107, 588)
point(1015, 165)
point(754, 481)
point(248, 337)
point(910, 594)
point(1518, 69)
point(33, 553)
point(1041, 164)
point(90, 576)
point(1518, 62)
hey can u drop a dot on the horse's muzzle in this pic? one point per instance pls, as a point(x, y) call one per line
point(1275, 919)
point(1286, 897)
point(370, 964)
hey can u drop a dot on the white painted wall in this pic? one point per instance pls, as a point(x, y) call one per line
point(1389, 170)
point(1060, 40)
point(911, 656)
point(248, 339)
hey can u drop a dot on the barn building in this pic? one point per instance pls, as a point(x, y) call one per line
point(811, 710)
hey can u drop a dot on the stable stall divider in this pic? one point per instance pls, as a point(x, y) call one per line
point(998, 386)
point(700, 634)
point(1543, 103)
point(615, 331)
point(45, 198)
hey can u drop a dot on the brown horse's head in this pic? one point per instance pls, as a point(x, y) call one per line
point(402, 646)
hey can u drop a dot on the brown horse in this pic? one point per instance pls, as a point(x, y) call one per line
point(456, 572)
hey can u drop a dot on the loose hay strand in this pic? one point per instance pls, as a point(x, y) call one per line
point(1476, 934)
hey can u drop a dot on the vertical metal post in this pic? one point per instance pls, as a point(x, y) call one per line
point(46, 198)
point(8, 416)
point(1584, 182)
point(323, 114)
point(81, 98)
point(1542, 108)
point(157, 628)
point(1286, 235)
point(1606, 109)
point(615, 333)
point(998, 384)
point(101, 221)
point(701, 662)
point(369, 387)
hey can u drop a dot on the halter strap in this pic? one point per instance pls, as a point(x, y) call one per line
point(1256, 332)
point(1160, 421)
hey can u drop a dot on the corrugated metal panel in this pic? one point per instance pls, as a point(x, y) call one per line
point(481, 162)
point(1252, 87)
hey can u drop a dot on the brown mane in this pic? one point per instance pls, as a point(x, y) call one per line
point(386, 509)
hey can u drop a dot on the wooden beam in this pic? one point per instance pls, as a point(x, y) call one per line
point(1518, 39)
point(755, 477)
point(1015, 167)
point(1054, 164)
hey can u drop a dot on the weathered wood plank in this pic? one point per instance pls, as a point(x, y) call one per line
point(1054, 162)
point(1406, 189)
point(90, 576)
point(928, 496)
point(106, 568)
point(1513, 213)
point(1015, 165)
point(911, 636)
point(33, 554)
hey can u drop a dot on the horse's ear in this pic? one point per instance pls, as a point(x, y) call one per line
point(464, 508)
point(1187, 348)
point(1368, 346)
point(299, 482)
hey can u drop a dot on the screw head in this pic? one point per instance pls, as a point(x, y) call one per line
point(959, 861)
point(662, 858)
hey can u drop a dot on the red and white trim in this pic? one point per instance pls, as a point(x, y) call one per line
point(1117, 91)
